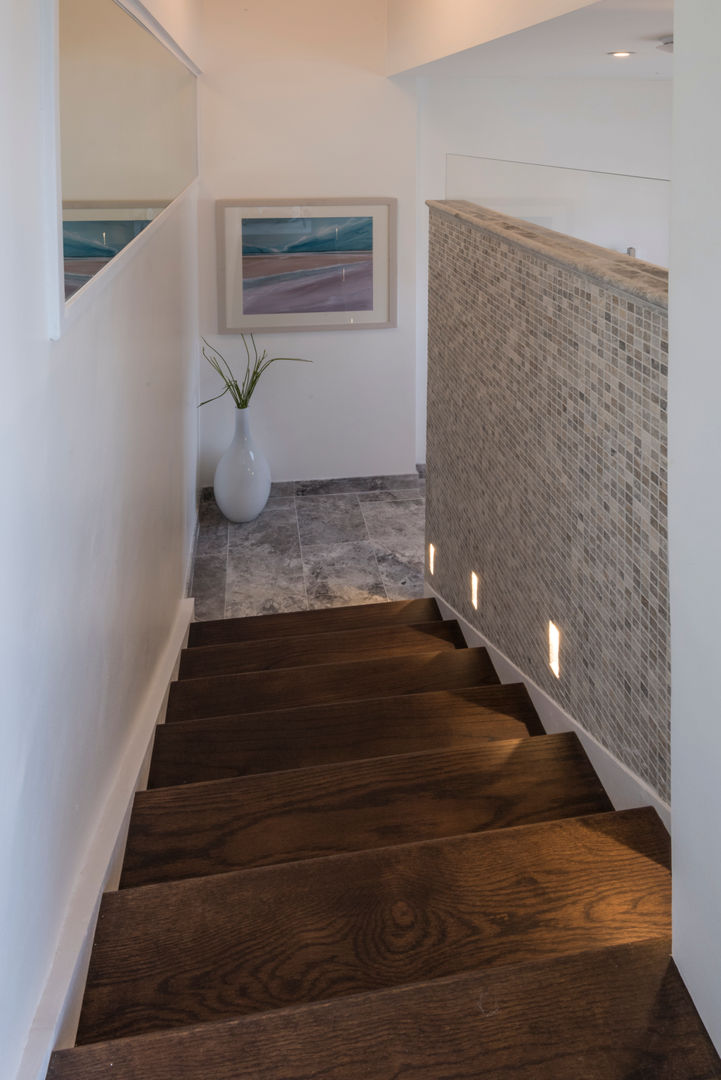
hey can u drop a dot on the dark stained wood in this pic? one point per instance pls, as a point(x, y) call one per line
point(323, 621)
point(620, 1013)
point(287, 652)
point(353, 806)
point(210, 948)
point(224, 746)
point(325, 683)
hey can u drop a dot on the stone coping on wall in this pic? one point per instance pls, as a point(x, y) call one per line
point(633, 276)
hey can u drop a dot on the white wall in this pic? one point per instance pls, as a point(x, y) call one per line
point(98, 482)
point(619, 126)
point(695, 505)
point(420, 31)
point(295, 104)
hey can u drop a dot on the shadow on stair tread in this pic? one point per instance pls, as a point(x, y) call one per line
point(223, 825)
point(322, 620)
point(610, 1014)
point(320, 684)
point(285, 652)
point(206, 948)
point(225, 746)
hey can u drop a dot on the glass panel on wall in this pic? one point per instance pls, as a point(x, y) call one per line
point(629, 214)
point(128, 132)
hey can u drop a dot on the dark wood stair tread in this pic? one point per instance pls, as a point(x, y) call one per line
point(210, 948)
point(286, 652)
point(324, 620)
point(223, 825)
point(611, 1014)
point(320, 684)
point(223, 746)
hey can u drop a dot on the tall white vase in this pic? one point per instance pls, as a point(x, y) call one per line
point(242, 478)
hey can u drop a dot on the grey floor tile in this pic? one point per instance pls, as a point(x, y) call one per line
point(282, 487)
point(279, 502)
point(402, 576)
point(208, 586)
point(397, 526)
point(339, 574)
point(330, 519)
point(263, 586)
point(273, 533)
point(212, 539)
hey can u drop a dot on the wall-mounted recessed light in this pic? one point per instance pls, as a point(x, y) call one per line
point(666, 45)
point(431, 559)
point(620, 54)
point(474, 590)
point(554, 649)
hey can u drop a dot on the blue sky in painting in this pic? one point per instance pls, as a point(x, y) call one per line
point(275, 236)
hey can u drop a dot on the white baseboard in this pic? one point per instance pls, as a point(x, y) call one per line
point(56, 1018)
point(624, 788)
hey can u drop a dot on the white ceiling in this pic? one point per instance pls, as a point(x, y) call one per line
point(575, 46)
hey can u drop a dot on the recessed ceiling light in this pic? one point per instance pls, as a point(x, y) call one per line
point(620, 54)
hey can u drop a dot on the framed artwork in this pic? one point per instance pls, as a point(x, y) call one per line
point(316, 264)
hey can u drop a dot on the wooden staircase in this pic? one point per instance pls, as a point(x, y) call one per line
point(360, 857)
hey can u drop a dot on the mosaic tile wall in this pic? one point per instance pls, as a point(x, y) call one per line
point(546, 471)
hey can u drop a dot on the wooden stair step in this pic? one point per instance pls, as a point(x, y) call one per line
point(287, 652)
point(323, 621)
point(608, 1014)
point(225, 746)
point(308, 813)
point(320, 684)
point(209, 948)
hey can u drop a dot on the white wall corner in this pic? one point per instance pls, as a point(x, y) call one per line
point(624, 788)
point(56, 1017)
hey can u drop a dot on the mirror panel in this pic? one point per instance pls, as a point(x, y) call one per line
point(128, 132)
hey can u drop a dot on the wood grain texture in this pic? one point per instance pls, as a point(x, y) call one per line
point(210, 948)
point(225, 746)
point(323, 621)
point(226, 825)
point(620, 1013)
point(322, 684)
point(287, 652)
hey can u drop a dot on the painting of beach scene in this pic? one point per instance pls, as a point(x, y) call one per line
point(307, 264)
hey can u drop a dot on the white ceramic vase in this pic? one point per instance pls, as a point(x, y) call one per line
point(242, 478)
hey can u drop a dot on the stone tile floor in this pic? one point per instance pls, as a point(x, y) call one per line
point(319, 543)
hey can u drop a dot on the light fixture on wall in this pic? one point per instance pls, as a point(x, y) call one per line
point(474, 590)
point(554, 649)
point(431, 559)
point(666, 45)
point(621, 54)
